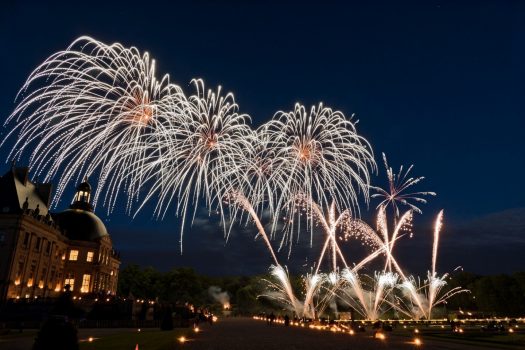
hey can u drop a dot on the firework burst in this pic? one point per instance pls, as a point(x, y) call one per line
point(397, 193)
point(91, 110)
point(319, 156)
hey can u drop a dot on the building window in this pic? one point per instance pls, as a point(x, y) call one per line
point(51, 279)
point(19, 272)
point(89, 257)
point(31, 273)
point(38, 244)
point(85, 283)
point(82, 196)
point(26, 240)
point(48, 247)
point(42, 278)
point(73, 255)
point(70, 280)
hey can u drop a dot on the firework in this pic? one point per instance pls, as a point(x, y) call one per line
point(318, 155)
point(331, 224)
point(99, 110)
point(428, 294)
point(382, 237)
point(368, 299)
point(200, 155)
point(297, 156)
point(91, 110)
point(251, 186)
point(419, 298)
point(281, 290)
point(319, 290)
point(397, 190)
point(312, 287)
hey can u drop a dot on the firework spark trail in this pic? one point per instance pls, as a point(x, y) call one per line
point(260, 183)
point(317, 154)
point(412, 302)
point(428, 293)
point(92, 108)
point(404, 224)
point(397, 186)
point(282, 290)
point(330, 226)
point(436, 283)
point(312, 285)
point(200, 155)
point(314, 302)
point(240, 199)
point(367, 301)
point(437, 229)
point(381, 237)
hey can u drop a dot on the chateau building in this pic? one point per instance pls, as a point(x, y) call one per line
point(42, 252)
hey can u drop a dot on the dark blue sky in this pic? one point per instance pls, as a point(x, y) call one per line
point(436, 83)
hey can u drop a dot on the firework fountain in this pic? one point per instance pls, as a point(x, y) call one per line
point(99, 110)
point(370, 296)
point(428, 294)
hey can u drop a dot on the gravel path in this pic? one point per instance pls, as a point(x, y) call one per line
point(249, 334)
point(244, 333)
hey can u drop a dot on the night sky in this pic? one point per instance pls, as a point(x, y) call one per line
point(433, 83)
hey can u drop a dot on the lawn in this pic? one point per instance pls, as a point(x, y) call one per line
point(147, 339)
point(510, 340)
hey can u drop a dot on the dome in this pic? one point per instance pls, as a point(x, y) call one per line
point(81, 225)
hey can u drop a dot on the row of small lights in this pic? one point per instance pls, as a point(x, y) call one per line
point(182, 339)
point(337, 329)
point(96, 299)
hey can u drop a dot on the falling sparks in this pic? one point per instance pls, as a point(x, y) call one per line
point(92, 109)
point(318, 155)
point(99, 110)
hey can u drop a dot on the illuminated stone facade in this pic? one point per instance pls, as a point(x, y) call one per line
point(41, 252)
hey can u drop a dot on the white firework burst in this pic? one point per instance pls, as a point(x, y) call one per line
point(318, 155)
point(397, 190)
point(201, 154)
point(90, 110)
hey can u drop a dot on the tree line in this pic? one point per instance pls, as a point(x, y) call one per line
point(493, 295)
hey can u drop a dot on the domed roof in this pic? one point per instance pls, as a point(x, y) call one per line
point(81, 225)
